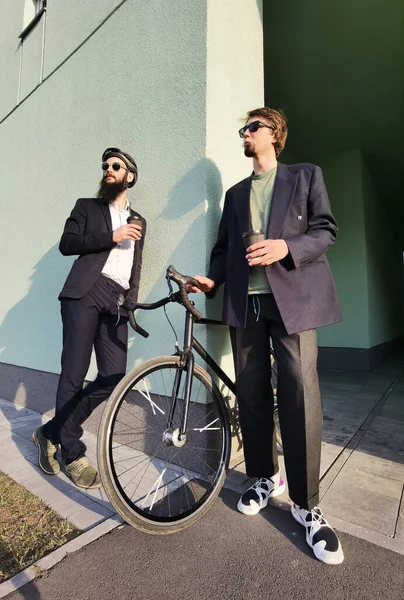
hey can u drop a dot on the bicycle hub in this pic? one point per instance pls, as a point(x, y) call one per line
point(173, 437)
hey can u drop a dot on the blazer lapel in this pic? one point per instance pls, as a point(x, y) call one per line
point(282, 198)
point(106, 212)
point(242, 204)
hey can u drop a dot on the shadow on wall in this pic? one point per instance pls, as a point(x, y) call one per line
point(201, 184)
point(31, 331)
point(30, 335)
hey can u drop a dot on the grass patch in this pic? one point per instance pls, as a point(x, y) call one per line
point(29, 529)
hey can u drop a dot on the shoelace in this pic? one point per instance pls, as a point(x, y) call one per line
point(51, 449)
point(317, 520)
point(82, 463)
point(257, 484)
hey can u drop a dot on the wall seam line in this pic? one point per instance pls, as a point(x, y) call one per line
point(65, 60)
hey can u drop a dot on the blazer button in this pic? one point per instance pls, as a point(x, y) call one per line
point(299, 218)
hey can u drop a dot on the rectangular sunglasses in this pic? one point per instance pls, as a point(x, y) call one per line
point(253, 127)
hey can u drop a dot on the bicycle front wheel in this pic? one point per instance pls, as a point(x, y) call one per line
point(158, 480)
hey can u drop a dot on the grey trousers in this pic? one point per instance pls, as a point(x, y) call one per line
point(298, 395)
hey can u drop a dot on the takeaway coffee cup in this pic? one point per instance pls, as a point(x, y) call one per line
point(134, 220)
point(252, 237)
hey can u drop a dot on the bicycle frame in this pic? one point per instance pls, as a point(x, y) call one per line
point(186, 356)
point(209, 360)
point(187, 363)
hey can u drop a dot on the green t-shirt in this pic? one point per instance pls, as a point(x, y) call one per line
point(262, 187)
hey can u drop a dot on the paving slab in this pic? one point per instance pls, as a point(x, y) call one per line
point(366, 491)
point(364, 499)
point(18, 459)
point(372, 462)
point(400, 529)
point(89, 516)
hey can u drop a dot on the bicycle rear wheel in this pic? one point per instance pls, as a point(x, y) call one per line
point(156, 480)
point(274, 383)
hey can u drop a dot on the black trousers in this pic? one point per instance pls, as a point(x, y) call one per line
point(299, 400)
point(87, 322)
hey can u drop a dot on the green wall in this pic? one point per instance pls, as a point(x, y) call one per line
point(160, 80)
point(384, 267)
point(337, 70)
point(365, 260)
point(342, 174)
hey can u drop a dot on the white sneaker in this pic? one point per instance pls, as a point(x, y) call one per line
point(320, 536)
point(257, 496)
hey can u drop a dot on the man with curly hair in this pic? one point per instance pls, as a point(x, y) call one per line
point(280, 288)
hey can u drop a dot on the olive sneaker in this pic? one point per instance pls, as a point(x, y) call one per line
point(320, 536)
point(46, 453)
point(257, 496)
point(83, 473)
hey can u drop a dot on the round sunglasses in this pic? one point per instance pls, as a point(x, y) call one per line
point(115, 166)
point(253, 127)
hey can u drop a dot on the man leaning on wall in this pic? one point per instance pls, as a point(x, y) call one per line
point(108, 236)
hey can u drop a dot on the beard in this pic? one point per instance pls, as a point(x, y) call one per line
point(249, 152)
point(107, 192)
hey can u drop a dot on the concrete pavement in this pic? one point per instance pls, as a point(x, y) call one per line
point(362, 462)
point(18, 459)
point(224, 556)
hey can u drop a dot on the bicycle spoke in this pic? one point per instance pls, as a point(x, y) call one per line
point(208, 427)
point(146, 395)
point(158, 476)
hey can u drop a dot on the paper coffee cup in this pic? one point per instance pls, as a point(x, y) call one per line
point(134, 220)
point(252, 237)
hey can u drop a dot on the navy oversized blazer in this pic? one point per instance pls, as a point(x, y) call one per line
point(88, 233)
point(302, 283)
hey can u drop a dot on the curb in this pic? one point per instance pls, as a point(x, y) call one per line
point(52, 559)
point(378, 539)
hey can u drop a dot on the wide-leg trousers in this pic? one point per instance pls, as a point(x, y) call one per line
point(298, 396)
point(88, 322)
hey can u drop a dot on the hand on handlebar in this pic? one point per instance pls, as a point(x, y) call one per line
point(205, 285)
point(185, 284)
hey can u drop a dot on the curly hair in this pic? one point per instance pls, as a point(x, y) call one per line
point(278, 120)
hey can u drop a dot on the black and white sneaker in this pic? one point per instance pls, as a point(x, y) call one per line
point(320, 536)
point(257, 496)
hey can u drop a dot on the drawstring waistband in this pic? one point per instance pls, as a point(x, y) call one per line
point(256, 306)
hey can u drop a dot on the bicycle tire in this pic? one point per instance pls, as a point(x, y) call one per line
point(150, 446)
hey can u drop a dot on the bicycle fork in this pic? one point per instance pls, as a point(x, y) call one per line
point(177, 437)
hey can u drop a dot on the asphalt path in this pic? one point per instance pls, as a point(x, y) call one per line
point(224, 556)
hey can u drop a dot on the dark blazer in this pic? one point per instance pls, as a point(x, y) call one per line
point(302, 283)
point(88, 232)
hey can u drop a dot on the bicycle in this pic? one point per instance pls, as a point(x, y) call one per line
point(164, 438)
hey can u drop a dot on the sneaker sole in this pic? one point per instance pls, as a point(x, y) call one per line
point(251, 511)
point(84, 487)
point(328, 561)
point(38, 445)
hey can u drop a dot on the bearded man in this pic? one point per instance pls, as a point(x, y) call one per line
point(108, 266)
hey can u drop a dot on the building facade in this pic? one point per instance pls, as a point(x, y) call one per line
point(169, 83)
